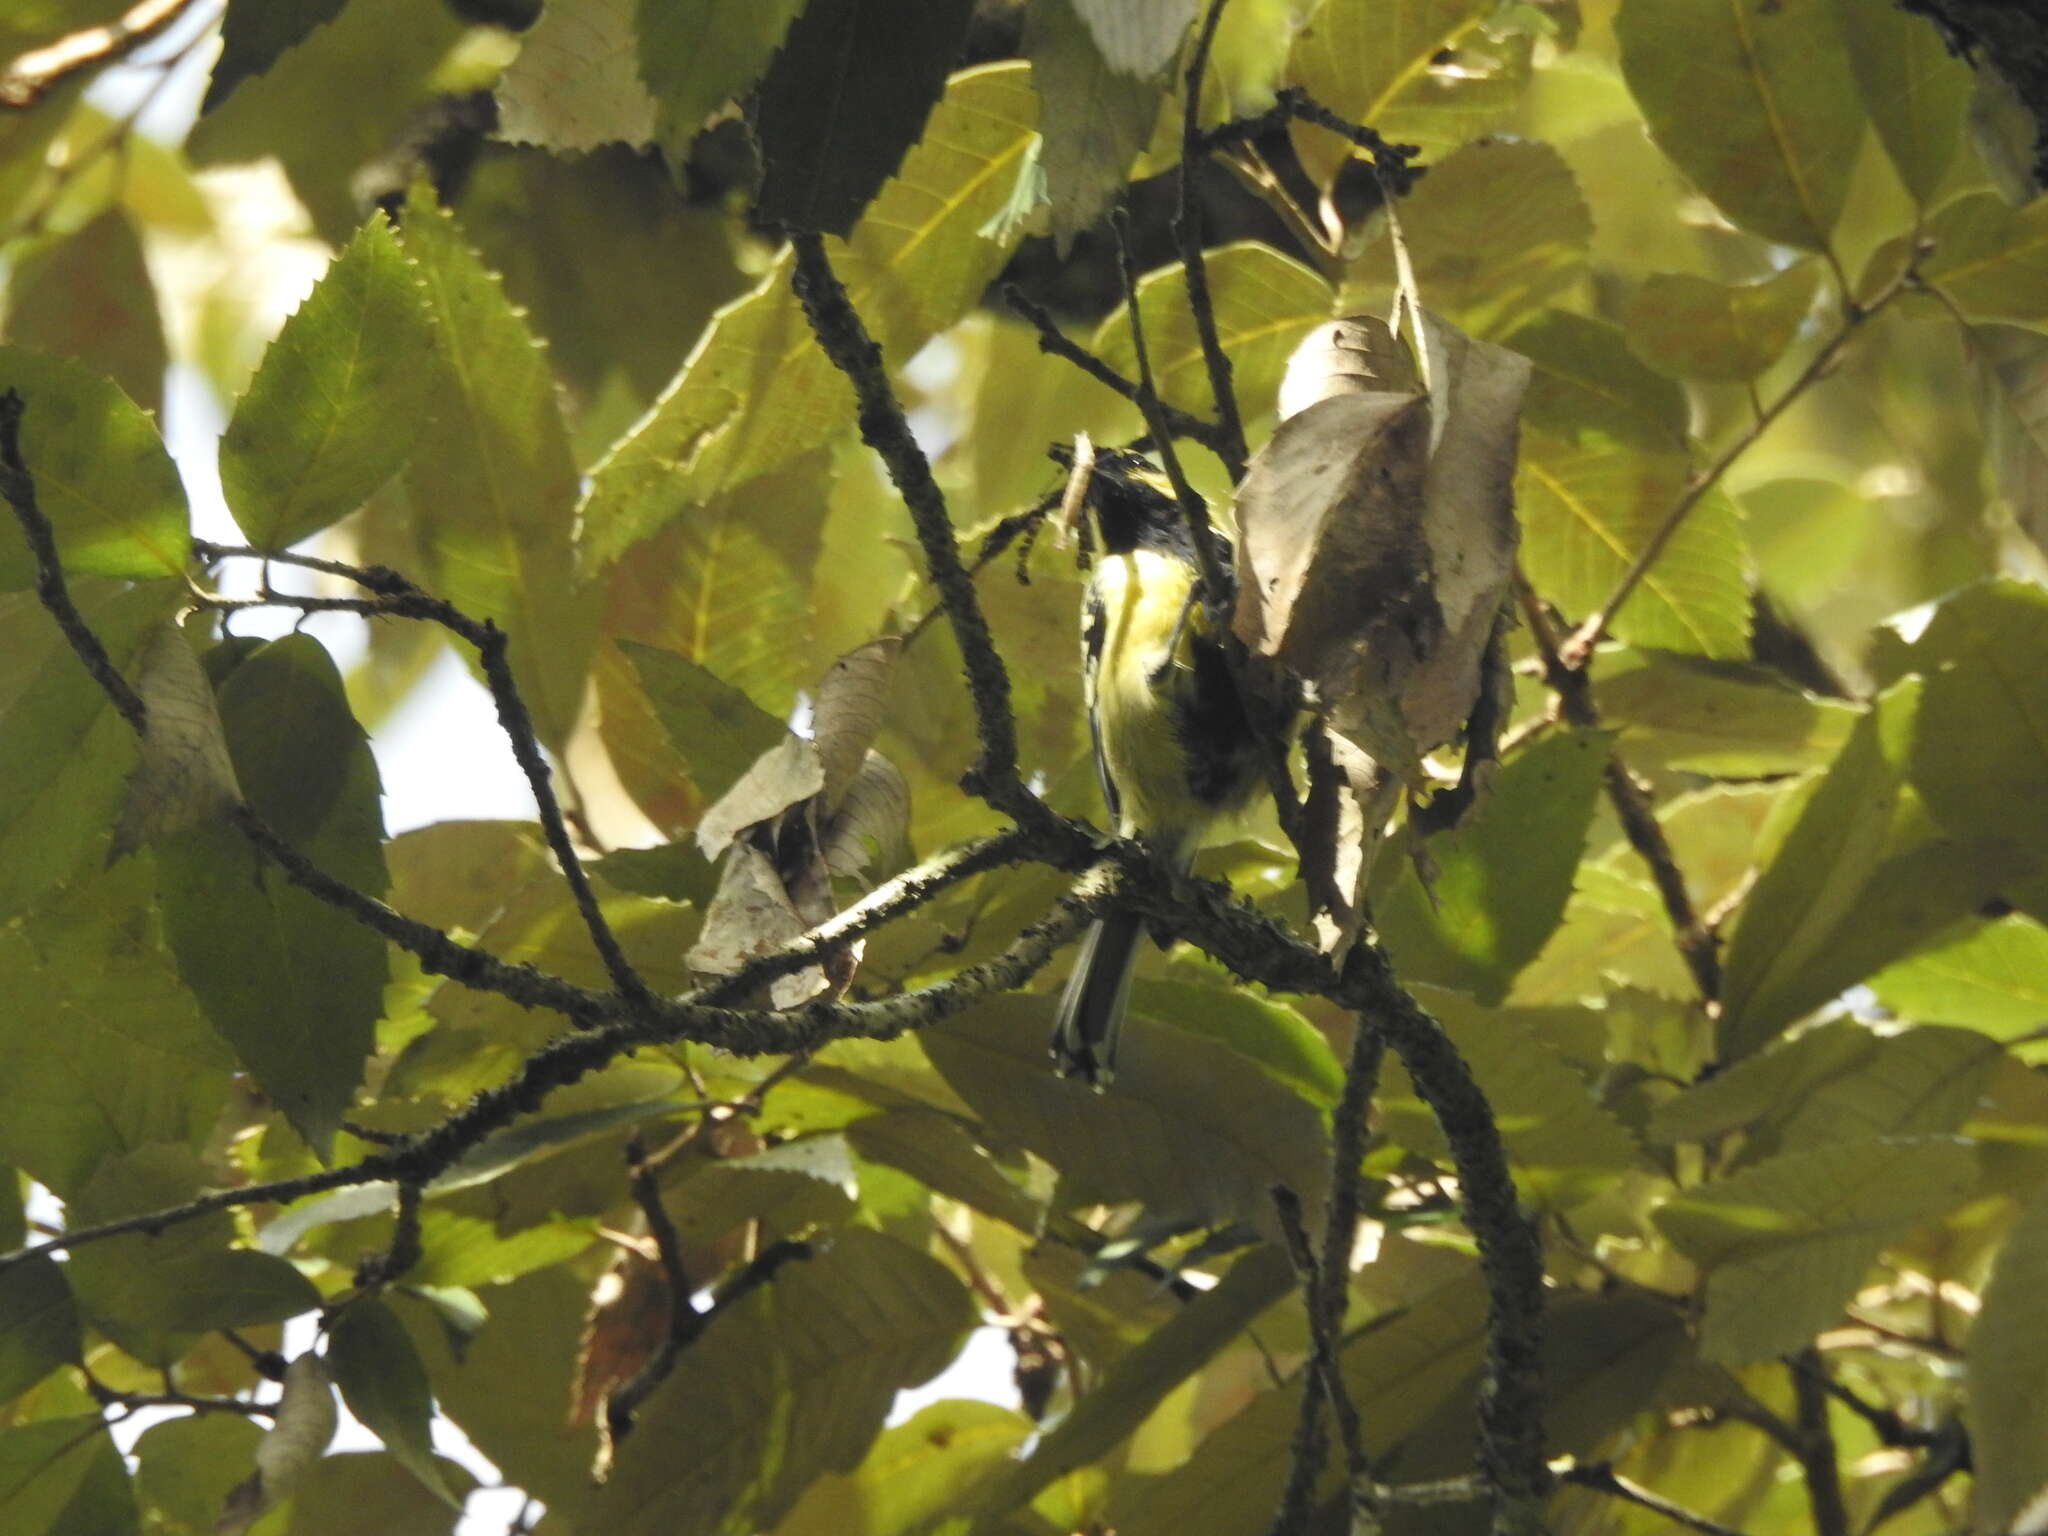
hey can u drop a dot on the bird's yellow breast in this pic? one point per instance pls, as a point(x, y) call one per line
point(1137, 688)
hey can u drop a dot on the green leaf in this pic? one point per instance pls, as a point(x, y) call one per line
point(292, 984)
point(1420, 71)
point(1716, 717)
point(1991, 977)
point(1860, 878)
point(1916, 92)
point(672, 871)
point(718, 730)
point(509, 1387)
point(2008, 1360)
point(337, 405)
point(1772, 141)
point(1562, 1144)
point(1264, 304)
point(337, 97)
point(1693, 328)
point(1096, 116)
point(493, 483)
point(1140, 1379)
point(385, 1386)
point(352, 1492)
point(186, 1467)
point(1787, 1242)
point(1137, 39)
point(847, 94)
point(102, 1049)
point(195, 1292)
point(918, 1474)
point(757, 392)
point(63, 1477)
point(252, 35)
point(1503, 874)
point(102, 476)
point(2009, 369)
point(1496, 231)
point(1586, 387)
point(938, 1151)
point(1837, 1082)
point(1989, 259)
point(1980, 755)
point(87, 295)
point(38, 1324)
point(469, 1251)
point(786, 1385)
point(698, 55)
point(1264, 1029)
point(1588, 510)
point(1400, 1370)
point(65, 753)
point(1189, 1131)
point(576, 83)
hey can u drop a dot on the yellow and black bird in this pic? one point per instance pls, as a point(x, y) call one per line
point(1175, 747)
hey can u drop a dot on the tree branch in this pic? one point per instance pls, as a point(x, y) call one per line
point(1187, 230)
point(845, 340)
point(31, 76)
point(1575, 651)
point(1815, 1447)
point(1055, 341)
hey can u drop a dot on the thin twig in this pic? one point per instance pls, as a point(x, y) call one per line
point(18, 486)
point(1602, 1478)
point(1574, 651)
point(1215, 584)
point(1332, 1295)
point(170, 1397)
point(404, 1251)
point(844, 338)
point(1815, 1451)
point(1696, 941)
point(31, 75)
point(1053, 340)
point(1187, 231)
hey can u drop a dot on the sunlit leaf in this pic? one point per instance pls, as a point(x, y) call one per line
point(1501, 875)
point(1988, 258)
point(757, 392)
point(336, 407)
point(185, 1467)
point(493, 484)
point(1097, 116)
point(1992, 977)
point(355, 1491)
point(1756, 105)
point(576, 82)
point(1861, 877)
point(1586, 386)
point(102, 476)
point(1264, 304)
point(1588, 511)
point(1496, 231)
point(917, 1474)
point(1786, 1243)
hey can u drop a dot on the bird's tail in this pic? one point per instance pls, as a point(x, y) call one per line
point(1092, 1010)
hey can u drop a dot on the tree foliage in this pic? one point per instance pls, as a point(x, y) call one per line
point(1652, 1129)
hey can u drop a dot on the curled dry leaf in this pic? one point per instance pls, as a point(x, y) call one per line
point(1359, 354)
point(852, 700)
point(1377, 532)
point(184, 775)
point(808, 810)
point(307, 1418)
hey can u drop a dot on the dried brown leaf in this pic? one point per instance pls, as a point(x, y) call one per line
point(853, 697)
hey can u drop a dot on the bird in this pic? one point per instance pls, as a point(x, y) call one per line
point(1175, 746)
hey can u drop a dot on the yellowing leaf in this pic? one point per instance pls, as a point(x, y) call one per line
point(1692, 328)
